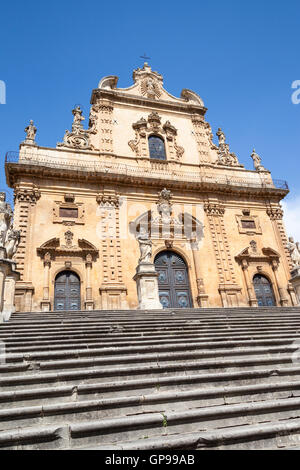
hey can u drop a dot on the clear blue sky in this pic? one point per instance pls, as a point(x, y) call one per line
point(241, 57)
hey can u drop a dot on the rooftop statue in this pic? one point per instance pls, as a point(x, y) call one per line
point(257, 161)
point(30, 134)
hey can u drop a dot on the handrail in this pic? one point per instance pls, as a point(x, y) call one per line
point(151, 171)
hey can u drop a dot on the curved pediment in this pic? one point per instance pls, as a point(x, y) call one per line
point(149, 84)
point(55, 248)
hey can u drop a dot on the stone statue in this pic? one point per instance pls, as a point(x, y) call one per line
point(6, 215)
point(12, 242)
point(145, 246)
point(221, 137)
point(225, 157)
point(30, 133)
point(77, 113)
point(294, 252)
point(257, 161)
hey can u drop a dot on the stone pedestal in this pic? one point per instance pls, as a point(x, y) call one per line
point(147, 287)
point(295, 281)
point(8, 278)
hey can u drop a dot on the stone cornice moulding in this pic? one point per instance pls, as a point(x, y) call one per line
point(15, 170)
point(142, 101)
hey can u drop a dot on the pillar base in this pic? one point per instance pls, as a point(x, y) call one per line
point(8, 278)
point(45, 306)
point(89, 305)
point(147, 287)
point(202, 300)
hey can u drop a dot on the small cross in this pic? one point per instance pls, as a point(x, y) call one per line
point(145, 57)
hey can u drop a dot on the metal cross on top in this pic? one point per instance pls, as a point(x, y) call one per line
point(145, 56)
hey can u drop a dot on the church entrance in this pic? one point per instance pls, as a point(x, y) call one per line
point(173, 280)
point(67, 291)
point(264, 291)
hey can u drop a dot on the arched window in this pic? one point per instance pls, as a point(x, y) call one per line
point(157, 147)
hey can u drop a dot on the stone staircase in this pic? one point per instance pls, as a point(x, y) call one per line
point(130, 380)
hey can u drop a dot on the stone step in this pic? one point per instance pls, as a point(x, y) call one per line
point(66, 345)
point(97, 379)
point(277, 435)
point(89, 374)
point(188, 330)
point(164, 350)
point(75, 409)
point(109, 357)
point(265, 380)
point(114, 430)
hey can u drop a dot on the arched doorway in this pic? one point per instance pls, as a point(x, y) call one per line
point(264, 291)
point(173, 280)
point(67, 291)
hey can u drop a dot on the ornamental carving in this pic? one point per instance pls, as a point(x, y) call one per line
point(275, 213)
point(225, 157)
point(107, 200)
point(214, 209)
point(52, 249)
point(144, 128)
point(79, 137)
point(27, 195)
point(150, 82)
point(150, 88)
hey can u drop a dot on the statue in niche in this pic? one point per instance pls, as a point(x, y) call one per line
point(294, 252)
point(145, 245)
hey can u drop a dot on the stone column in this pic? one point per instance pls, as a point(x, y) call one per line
point(9, 292)
point(46, 304)
point(283, 300)
point(202, 297)
point(89, 303)
point(8, 278)
point(251, 294)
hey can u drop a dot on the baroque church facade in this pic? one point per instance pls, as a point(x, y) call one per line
point(146, 163)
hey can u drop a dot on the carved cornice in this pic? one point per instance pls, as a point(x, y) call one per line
point(112, 173)
point(119, 97)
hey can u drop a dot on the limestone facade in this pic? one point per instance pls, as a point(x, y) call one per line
point(80, 205)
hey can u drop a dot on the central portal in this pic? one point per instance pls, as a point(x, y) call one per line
point(173, 280)
point(67, 291)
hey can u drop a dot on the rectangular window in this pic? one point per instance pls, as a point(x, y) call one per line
point(68, 212)
point(248, 224)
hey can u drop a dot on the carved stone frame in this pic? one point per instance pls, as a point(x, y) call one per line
point(249, 231)
point(57, 219)
point(168, 133)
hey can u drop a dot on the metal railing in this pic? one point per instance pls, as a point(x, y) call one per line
point(152, 171)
